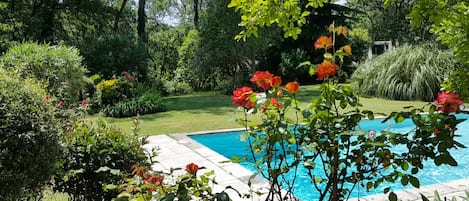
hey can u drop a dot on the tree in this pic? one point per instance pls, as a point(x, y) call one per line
point(390, 22)
point(286, 14)
point(141, 21)
point(450, 22)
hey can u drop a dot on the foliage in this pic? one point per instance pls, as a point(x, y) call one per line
point(145, 185)
point(222, 62)
point(327, 141)
point(29, 134)
point(116, 89)
point(257, 14)
point(60, 67)
point(148, 103)
point(290, 67)
point(187, 53)
point(458, 82)
point(95, 154)
point(449, 20)
point(115, 53)
point(425, 69)
point(389, 22)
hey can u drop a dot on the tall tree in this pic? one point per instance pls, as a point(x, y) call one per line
point(141, 21)
point(119, 14)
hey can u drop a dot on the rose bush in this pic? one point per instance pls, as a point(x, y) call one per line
point(326, 139)
point(147, 185)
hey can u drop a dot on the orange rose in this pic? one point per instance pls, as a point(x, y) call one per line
point(323, 42)
point(292, 87)
point(326, 69)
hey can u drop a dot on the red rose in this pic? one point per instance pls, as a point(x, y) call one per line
point(448, 102)
point(274, 102)
point(292, 87)
point(131, 78)
point(276, 81)
point(326, 69)
point(263, 79)
point(192, 168)
point(242, 97)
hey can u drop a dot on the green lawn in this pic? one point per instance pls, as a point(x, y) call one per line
point(211, 111)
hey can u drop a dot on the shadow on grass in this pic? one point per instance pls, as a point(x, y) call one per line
point(198, 102)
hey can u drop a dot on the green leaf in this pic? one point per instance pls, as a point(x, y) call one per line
point(404, 180)
point(103, 169)
point(312, 70)
point(386, 190)
point(124, 195)
point(392, 196)
point(414, 181)
point(222, 196)
point(423, 197)
point(405, 166)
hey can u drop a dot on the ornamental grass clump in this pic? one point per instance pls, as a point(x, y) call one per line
point(325, 138)
point(406, 73)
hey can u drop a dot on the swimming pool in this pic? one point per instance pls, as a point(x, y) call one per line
point(229, 144)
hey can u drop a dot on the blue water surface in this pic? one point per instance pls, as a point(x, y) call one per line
point(229, 144)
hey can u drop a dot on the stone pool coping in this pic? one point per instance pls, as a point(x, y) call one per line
point(178, 150)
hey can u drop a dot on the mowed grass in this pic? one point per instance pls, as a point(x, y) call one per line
point(212, 111)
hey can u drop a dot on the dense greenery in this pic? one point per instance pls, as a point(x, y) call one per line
point(389, 22)
point(29, 133)
point(146, 104)
point(59, 66)
point(406, 73)
point(94, 155)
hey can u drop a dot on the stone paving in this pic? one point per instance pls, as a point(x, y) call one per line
point(176, 151)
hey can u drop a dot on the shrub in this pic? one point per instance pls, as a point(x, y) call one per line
point(406, 73)
point(115, 90)
point(90, 150)
point(58, 66)
point(146, 104)
point(28, 137)
point(290, 68)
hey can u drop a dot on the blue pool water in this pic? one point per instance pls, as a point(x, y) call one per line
point(229, 144)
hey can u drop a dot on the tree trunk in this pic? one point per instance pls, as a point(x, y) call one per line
point(196, 13)
point(119, 14)
point(141, 20)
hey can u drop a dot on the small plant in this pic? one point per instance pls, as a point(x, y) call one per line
point(95, 155)
point(146, 104)
point(146, 185)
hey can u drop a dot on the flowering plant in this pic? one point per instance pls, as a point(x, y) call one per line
point(326, 139)
point(146, 185)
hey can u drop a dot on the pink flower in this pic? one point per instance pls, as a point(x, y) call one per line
point(124, 73)
point(131, 78)
point(84, 103)
point(61, 104)
point(448, 102)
